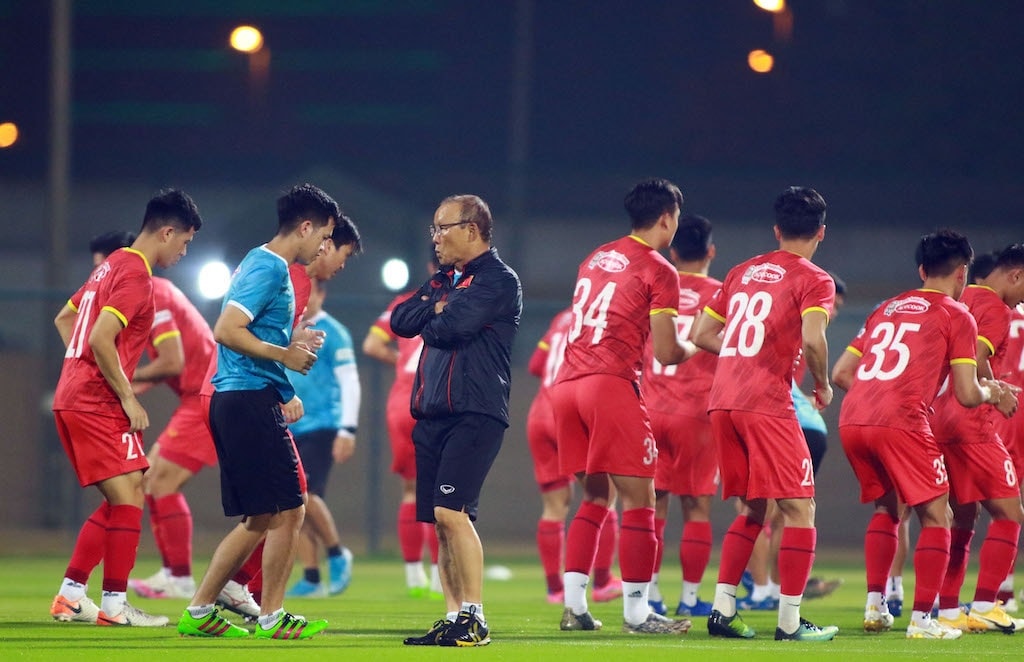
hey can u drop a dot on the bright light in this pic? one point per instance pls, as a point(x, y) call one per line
point(395, 274)
point(247, 39)
point(8, 134)
point(773, 6)
point(214, 279)
point(760, 61)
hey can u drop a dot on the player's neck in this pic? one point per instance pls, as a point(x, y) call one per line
point(698, 267)
point(805, 248)
point(947, 286)
point(287, 246)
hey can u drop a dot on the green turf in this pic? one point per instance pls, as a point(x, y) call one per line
point(370, 620)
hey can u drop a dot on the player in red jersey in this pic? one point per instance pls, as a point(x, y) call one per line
point(892, 369)
point(981, 472)
point(105, 326)
point(384, 345)
point(677, 401)
point(625, 291)
point(769, 309)
point(556, 486)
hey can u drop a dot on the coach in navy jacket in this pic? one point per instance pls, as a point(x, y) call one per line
point(467, 315)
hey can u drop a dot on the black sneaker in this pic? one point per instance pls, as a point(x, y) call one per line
point(467, 630)
point(732, 627)
point(430, 639)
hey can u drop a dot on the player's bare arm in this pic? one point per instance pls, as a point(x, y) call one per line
point(231, 330)
point(102, 342)
point(168, 362)
point(972, 392)
point(815, 347)
point(844, 370)
point(65, 323)
point(706, 333)
point(374, 345)
point(668, 349)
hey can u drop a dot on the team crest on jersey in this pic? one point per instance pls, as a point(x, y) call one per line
point(763, 273)
point(610, 261)
point(101, 272)
point(911, 305)
point(688, 298)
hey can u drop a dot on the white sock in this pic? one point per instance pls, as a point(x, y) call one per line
point(981, 606)
point(634, 602)
point(761, 592)
point(575, 591)
point(199, 611)
point(653, 592)
point(452, 616)
point(689, 595)
point(950, 613)
point(725, 599)
point(894, 588)
point(789, 613)
point(267, 621)
point(113, 602)
point(72, 590)
point(435, 579)
point(414, 575)
point(774, 590)
point(185, 583)
point(475, 608)
point(1007, 585)
point(875, 600)
point(920, 618)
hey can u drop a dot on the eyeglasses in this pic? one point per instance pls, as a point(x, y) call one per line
point(442, 230)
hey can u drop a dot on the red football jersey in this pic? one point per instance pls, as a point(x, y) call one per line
point(906, 348)
point(993, 321)
point(618, 287)
point(683, 389)
point(409, 350)
point(175, 315)
point(1011, 368)
point(550, 351)
point(122, 285)
point(762, 303)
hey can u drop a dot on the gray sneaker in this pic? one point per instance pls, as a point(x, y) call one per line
point(658, 624)
point(584, 621)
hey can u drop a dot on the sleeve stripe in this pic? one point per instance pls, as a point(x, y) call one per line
point(377, 331)
point(712, 313)
point(164, 336)
point(963, 361)
point(72, 306)
point(815, 309)
point(853, 350)
point(658, 311)
point(543, 345)
point(117, 313)
point(988, 343)
point(242, 308)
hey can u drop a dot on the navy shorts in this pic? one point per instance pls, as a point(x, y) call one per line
point(259, 470)
point(453, 456)
point(316, 448)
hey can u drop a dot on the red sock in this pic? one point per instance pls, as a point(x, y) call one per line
point(737, 547)
point(607, 542)
point(154, 525)
point(256, 583)
point(410, 533)
point(659, 534)
point(251, 567)
point(550, 543)
point(996, 558)
point(581, 540)
point(796, 556)
point(637, 545)
point(930, 558)
point(430, 533)
point(89, 546)
point(175, 533)
point(124, 528)
point(880, 544)
point(695, 550)
point(959, 555)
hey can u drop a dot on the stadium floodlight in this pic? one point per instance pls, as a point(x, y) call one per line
point(8, 134)
point(395, 274)
point(247, 39)
point(773, 6)
point(214, 279)
point(760, 61)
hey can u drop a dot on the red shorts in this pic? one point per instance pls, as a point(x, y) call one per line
point(400, 425)
point(761, 456)
point(1011, 431)
point(187, 441)
point(886, 459)
point(602, 427)
point(978, 472)
point(540, 433)
point(687, 461)
point(99, 447)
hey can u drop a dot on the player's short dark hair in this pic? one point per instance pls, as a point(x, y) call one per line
point(108, 242)
point(172, 207)
point(648, 200)
point(982, 266)
point(943, 252)
point(693, 238)
point(302, 202)
point(346, 233)
point(1011, 257)
point(840, 284)
point(473, 209)
point(799, 212)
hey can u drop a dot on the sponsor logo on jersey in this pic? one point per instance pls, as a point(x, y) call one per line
point(610, 261)
point(910, 305)
point(162, 316)
point(101, 272)
point(688, 299)
point(763, 273)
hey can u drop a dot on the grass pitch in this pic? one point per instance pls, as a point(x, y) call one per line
point(370, 620)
